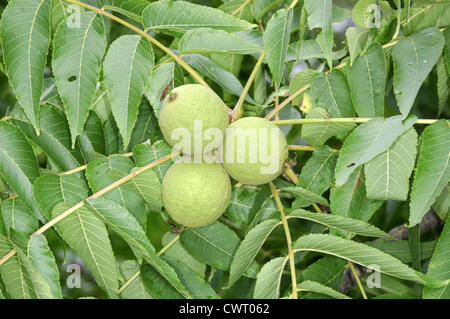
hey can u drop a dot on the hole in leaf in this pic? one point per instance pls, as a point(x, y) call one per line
point(72, 78)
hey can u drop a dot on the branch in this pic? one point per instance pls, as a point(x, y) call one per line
point(356, 120)
point(96, 195)
point(179, 60)
point(274, 190)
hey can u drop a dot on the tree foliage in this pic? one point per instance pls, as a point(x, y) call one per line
point(359, 88)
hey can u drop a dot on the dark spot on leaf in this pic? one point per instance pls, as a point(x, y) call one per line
point(351, 164)
point(72, 78)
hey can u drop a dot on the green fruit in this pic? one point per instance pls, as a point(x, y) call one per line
point(262, 158)
point(196, 194)
point(188, 103)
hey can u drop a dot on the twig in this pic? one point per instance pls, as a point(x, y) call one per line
point(180, 61)
point(137, 273)
point(238, 110)
point(96, 195)
point(288, 239)
point(356, 120)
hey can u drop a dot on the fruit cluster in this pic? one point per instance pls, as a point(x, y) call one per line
point(196, 190)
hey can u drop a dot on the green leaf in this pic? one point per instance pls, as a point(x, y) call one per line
point(342, 223)
point(350, 199)
point(146, 184)
point(269, 278)
point(58, 13)
point(276, 41)
point(387, 175)
point(367, 141)
point(364, 13)
point(356, 40)
point(305, 193)
point(14, 275)
point(177, 251)
point(332, 93)
point(54, 136)
point(222, 77)
point(446, 34)
point(316, 287)
point(320, 16)
point(300, 80)
point(231, 6)
point(50, 189)
point(98, 176)
point(442, 203)
point(443, 83)
point(18, 164)
point(126, 226)
point(207, 40)
point(433, 169)
point(127, 68)
point(18, 217)
point(249, 248)
point(319, 13)
point(136, 288)
point(158, 287)
point(241, 205)
point(327, 271)
point(325, 41)
point(196, 285)
point(401, 249)
point(40, 263)
point(121, 221)
point(145, 154)
point(361, 254)
point(177, 17)
point(87, 235)
point(317, 173)
point(414, 58)
point(92, 139)
point(25, 34)
point(428, 17)
point(367, 81)
point(160, 78)
point(439, 266)
point(261, 7)
point(130, 8)
point(317, 134)
point(213, 245)
point(76, 63)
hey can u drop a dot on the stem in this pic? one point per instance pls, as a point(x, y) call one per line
point(135, 275)
point(399, 16)
point(168, 245)
point(241, 7)
point(303, 89)
point(238, 110)
point(306, 148)
point(180, 61)
point(293, 4)
point(361, 288)
point(96, 195)
point(288, 239)
point(291, 174)
point(5, 118)
point(129, 281)
point(356, 120)
point(83, 167)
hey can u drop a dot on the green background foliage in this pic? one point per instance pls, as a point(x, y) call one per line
point(359, 88)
